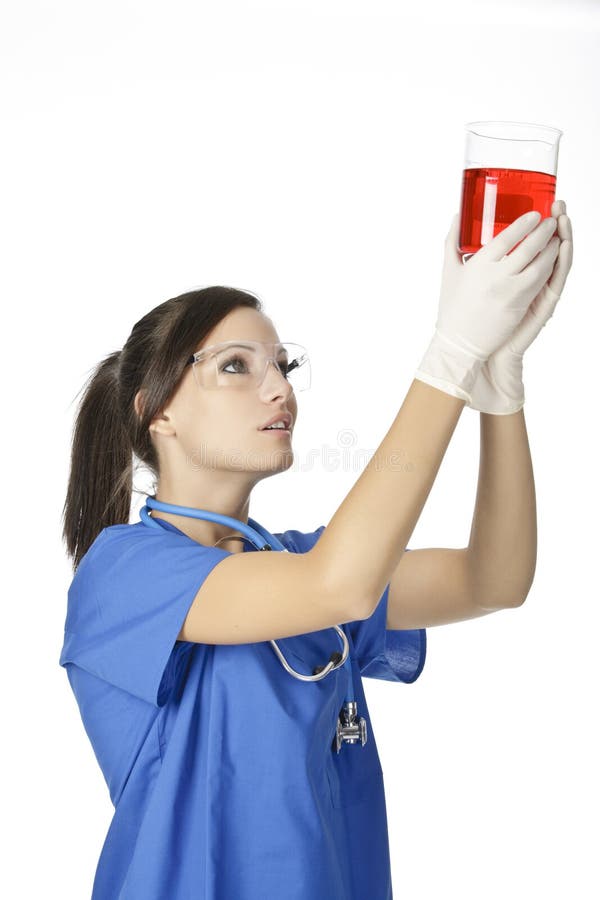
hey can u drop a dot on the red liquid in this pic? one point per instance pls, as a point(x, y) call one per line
point(493, 198)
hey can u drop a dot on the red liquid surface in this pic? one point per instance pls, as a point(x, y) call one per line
point(493, 198)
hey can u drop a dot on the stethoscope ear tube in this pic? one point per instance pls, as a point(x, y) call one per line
point(335, 661)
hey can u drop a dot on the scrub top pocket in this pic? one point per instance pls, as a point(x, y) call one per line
point(354, 773)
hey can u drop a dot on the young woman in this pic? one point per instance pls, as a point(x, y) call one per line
point(237, 773)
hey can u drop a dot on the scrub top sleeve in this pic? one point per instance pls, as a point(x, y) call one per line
point(387, 653)
point(384, 653)
point(127, 603)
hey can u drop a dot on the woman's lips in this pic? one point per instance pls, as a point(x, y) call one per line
point(276, 431)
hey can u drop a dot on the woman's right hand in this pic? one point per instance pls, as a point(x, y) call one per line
point(482, 302)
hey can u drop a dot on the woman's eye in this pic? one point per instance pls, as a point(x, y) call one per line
point(283, 364)
point(230, 362)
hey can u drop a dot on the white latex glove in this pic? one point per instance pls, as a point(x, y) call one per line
point(481, 303)
point(499, 388)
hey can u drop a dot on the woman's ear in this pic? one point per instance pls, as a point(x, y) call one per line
point(138, 404)
point(160, 424)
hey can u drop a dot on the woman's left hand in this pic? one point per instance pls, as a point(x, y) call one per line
point(499, 386)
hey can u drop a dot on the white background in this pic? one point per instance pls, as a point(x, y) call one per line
point(312, 153)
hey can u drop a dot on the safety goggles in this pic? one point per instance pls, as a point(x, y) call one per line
point(242, 365)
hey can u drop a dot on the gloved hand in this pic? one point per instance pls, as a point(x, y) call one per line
point(498, 388)
point(481, 303)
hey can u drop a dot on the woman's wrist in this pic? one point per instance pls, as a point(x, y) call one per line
point(499, 388)
point(449, 368)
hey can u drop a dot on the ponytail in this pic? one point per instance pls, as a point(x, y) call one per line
point(100, 479)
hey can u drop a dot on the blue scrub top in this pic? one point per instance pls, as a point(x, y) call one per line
point(220, 765)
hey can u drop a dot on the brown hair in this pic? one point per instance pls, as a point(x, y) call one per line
point(107, 430)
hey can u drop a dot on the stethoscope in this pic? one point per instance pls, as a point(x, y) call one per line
point(349, 728)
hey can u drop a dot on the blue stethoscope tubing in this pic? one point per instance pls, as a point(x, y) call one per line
point(262, 540)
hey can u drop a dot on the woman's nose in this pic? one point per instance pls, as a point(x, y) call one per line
point(271, 368)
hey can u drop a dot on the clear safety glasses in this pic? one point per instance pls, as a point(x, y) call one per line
point(242, 365)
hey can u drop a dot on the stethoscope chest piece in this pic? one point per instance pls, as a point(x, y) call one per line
point(350, 727)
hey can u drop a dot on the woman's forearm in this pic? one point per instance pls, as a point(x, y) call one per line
point(503, 539)
point(367, 536)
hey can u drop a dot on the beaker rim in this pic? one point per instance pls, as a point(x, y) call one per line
point(548, 128)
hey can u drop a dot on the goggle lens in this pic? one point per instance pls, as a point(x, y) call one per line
point(243, 365)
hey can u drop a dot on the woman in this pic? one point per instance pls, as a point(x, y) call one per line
point(231, 778)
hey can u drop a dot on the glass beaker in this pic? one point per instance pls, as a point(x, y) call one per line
point(510, 169)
